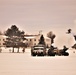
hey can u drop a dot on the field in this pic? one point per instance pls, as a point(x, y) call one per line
point(25, 64)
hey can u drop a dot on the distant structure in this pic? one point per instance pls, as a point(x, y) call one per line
point(31, 40)
point(34, 40)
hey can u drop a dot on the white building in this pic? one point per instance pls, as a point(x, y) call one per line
point(2, 40)
point(31, 40)
point(34, 40)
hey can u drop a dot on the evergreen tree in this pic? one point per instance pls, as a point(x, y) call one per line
point(42, 40)
point(15, 38)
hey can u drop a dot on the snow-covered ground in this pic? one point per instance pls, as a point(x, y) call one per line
point(25, 64)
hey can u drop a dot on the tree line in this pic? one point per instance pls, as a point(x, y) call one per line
point(16, 38)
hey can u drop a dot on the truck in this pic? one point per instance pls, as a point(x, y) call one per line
point(38, 50)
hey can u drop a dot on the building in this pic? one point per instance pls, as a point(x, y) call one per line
point(2, 40)
point(31, 40)
point(34, 40)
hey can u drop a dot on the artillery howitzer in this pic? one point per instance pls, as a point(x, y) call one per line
point(60, 52)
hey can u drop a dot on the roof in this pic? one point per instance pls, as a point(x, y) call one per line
point(3, 36)
point(46, 37)
point(30, 37)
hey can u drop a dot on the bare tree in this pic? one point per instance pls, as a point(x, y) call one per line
point(51, 36)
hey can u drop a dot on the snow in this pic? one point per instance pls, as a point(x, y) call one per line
point(25, 64)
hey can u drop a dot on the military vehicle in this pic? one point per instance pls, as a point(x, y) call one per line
point(39, 50)
point(55, 51)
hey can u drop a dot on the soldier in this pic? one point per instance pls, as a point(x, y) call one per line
point(51, 51)
point(65, 48)
point(64, 51)
point(23, 50)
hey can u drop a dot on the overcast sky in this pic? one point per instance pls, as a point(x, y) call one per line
point(34, 15)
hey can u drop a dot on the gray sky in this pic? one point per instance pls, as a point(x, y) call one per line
point(34, 15)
